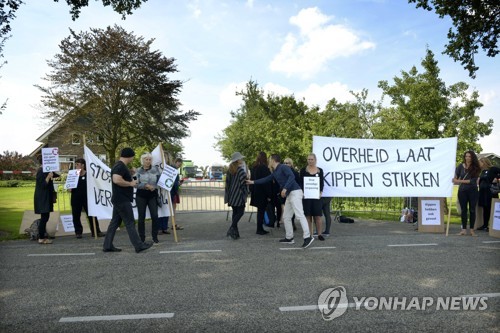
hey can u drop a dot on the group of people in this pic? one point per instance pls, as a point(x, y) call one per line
point(290, 184)
point(124, 180)
point(268, 181)
point(471, 174)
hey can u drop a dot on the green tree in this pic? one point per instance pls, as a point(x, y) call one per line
point(8, 9)
point(350, 119)
point(476, 23)
point(120, 86)
point(269, 123)
point(422, 107)
point(14, 161)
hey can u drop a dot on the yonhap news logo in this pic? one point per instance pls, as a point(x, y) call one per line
point(333, 303)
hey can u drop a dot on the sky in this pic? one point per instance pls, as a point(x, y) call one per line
point(315, 50)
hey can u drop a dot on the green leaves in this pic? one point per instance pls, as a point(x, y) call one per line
point(476, 23)
point(112, 78)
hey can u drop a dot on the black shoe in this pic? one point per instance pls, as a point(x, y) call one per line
point(286, 240)
point(307, 241)
point(487, 229)
point(113, 249)
point(482, 228)
point(101, 234)
point(262, 232)
point(144, 246)
point(79, 236)
point(321, 238)
point(165, 232)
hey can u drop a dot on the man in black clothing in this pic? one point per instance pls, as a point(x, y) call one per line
point(122, 197)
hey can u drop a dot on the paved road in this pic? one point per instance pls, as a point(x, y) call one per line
point(247, 285)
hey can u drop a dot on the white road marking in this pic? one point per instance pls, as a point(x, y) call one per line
point(117, 317)
point(309, 248)
point(191, 251)
point(488, 242)
point(483, 295)
point(401, 245)
point(59, 254)
point(313, 307)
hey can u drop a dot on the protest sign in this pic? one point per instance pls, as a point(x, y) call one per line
point(386, 168)
point(67, 222)
point(72, 179)
point(50, 159)
point(311, 188)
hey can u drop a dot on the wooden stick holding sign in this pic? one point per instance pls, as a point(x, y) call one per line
point(166, 182)
point(449, 216)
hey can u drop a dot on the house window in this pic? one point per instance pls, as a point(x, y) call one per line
point(94, 139)
point(75, 139)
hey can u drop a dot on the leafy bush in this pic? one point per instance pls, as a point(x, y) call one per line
point(10, 183)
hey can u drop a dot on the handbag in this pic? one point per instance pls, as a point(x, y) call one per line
point(494, 188)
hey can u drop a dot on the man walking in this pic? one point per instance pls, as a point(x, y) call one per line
point(293, 193)
point(122, 197)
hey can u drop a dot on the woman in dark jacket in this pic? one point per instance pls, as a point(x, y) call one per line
point(79, 202)
point(260, 194)
point(44, 200)
point(488, 174)
point(236, 192)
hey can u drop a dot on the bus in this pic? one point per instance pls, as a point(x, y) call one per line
point(216, 171)
point(188, 169)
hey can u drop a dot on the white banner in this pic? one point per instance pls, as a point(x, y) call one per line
point(386, 168)
point(99, 189)
point(164, 195)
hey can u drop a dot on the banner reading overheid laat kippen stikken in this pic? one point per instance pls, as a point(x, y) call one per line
point(386, 168)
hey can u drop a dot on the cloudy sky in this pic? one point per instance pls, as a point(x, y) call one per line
point(315, 50)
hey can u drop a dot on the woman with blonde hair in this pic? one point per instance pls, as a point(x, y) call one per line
point(236, 192)
point(313, 206)
point(147, 196)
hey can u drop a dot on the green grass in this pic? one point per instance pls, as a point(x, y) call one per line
point(13, 202)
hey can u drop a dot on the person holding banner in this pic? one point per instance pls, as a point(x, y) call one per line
point(293, 204)
point(121, 198)
point(147, 196)
point(313, 204)
point(260, 194)
point(466, 176)
point(44, 199)
point(79, 202)
point(236, 191)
